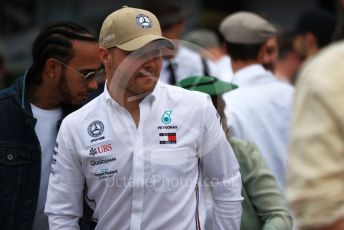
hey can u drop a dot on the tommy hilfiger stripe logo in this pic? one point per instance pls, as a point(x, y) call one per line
point(168, 138)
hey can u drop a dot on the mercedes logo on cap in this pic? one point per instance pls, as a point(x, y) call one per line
point(143, 21)
point(95, 129)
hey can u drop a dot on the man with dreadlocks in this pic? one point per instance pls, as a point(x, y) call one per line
point(63, 73)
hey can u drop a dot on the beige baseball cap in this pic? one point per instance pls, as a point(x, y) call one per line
point(247, 28)
point(130, 29)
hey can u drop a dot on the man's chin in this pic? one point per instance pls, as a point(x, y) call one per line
point(147, 89)
point(79, 101)
point(69, 107)
point(143, 90)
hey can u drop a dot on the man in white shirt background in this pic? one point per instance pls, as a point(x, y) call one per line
point(213, 52)
point(140, 147)
point(259, 110)
point(185, 62)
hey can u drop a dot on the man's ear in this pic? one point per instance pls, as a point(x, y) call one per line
point(105, 56)
point(262, 52)
point(311, 40)
point(52, 68)
point(224, 48)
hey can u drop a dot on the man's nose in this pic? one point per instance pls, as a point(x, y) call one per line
point(92, 85)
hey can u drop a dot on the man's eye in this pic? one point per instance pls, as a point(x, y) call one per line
point(90, 75)
point(157, 52)
point(139, 53)
point(100, 73)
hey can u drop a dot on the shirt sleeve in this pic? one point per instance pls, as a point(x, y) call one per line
point(64, 198)
point(221, 172)
point(261, 187)
point(316, 172)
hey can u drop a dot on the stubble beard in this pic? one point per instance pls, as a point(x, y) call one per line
point(65, 95)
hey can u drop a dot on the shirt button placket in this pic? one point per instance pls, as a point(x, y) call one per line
point(138, 178)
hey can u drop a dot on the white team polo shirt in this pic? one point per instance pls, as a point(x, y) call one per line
point(144, 177)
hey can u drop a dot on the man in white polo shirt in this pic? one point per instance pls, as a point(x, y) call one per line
point(259, 110)
point(143, 148)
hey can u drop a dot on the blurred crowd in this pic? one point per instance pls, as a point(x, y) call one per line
point(280, 96)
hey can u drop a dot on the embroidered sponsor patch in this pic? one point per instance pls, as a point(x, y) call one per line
point(167, 138)
point(105, 173)
point(143, 21)
point(102, 161)
point(100, 149)
point(167, 127)
point(166, 117)
point(53, 163)
point(95, 131)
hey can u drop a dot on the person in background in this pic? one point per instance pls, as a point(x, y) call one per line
point(268, 53)
point(62, 75)
point(315, 181)
point(338, 33)
point(313, 30)
point(264, 206)
point(260, 108)
point(289, 61)
point(213, 52)
point(132, 144)
point(172, 17)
